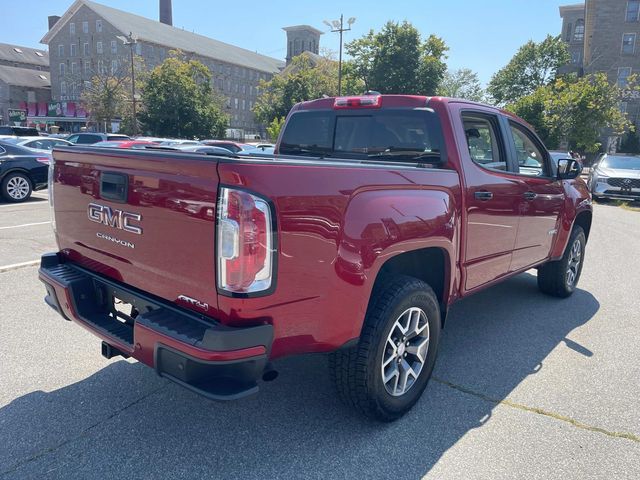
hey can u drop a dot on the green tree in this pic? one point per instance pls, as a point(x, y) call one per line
point(532, 108)
point(304, 79)
point(106, 98)
point(575, 112)
point(462, 83)
point(533, 66)
point(273, 129)
point(397, 60)
point(580, 110)
point(179, 101)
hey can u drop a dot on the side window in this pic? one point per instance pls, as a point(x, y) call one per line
point(73, 139)
point(529, 155)
point(483, 141)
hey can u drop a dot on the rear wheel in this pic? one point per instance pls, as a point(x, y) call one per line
point(385, 374)
point(560, 278)
point(16, 187)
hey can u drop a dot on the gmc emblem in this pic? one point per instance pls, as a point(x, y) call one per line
point(114, 218)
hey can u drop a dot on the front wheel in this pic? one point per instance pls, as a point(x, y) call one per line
point(560, 278)
point(385, 374)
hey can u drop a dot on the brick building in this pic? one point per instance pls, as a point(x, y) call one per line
point(85, 40)
point(602, 36)
point(24, 84)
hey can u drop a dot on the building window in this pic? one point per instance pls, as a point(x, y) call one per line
point(567, 35)
point(61, 50)
point(62, 68)
point(85, 49)
point(628, 43)
point(151, 50)
point(98, 25)
point(99, 48)
point(623, 74)
point(72, 50)
point(578, 33)
point(87, 67)
point(623, 107)
point(72, 28)
point(138, 48)
point(100, 66)
point(633, 10)
point(244, 104)
point(114, 46)
point(87, 85)
point(576, 57)
point(85, 27)
point(74, 67)
point(235, 103)
point(63, 88)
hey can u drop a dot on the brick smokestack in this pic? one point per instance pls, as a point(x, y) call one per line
point(165, 12)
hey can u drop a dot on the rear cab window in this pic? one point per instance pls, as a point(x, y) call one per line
point(404, 135)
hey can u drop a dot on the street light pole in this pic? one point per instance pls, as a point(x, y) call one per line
point(131, 41)
point(337, 26)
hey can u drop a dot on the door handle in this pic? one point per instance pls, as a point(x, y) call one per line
point(529, 195)
point(483, 195)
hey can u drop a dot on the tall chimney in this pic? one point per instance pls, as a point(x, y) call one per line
point(165, 12)
point(53, 19)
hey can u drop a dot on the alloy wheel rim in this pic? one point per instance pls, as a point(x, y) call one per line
point(405, 351)
point(575, 257)
point(18, 188)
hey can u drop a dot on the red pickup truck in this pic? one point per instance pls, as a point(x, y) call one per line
point(375, 214)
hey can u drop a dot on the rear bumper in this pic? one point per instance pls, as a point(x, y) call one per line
point(219, 362)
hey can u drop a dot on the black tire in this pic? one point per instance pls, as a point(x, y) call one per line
point(357, 371)
point(553, 277)
point(11, 193)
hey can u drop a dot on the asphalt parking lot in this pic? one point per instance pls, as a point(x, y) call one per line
point(526, 386)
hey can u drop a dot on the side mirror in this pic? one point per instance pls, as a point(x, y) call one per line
point(568, 169)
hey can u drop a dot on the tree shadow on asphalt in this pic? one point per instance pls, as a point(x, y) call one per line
point(124, 421)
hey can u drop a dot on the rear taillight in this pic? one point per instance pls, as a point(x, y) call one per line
point(52, 213)
point(366, 101)
point(244, 242)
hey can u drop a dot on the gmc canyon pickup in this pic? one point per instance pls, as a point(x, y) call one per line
point(375, 214)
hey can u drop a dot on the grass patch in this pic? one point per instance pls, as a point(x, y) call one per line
point(632, 206)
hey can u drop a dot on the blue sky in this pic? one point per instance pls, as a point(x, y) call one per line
point(482, 35)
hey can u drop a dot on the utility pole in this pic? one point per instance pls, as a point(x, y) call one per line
point(337, 26)
point(131, 41)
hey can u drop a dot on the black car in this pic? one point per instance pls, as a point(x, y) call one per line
point(21, 172)
point(19, 131)
point(91, 138)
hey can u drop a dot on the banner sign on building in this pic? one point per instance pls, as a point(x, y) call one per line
point(17, 115)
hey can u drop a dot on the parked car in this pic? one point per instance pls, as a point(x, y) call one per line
point(229, 145)
point(12, 130)
point(258, 152)
point(615, 176)
point(376, 214)
point(41, 144)
point(91, 138)
point(136, 144)
point(174, 142)
point(21, 172)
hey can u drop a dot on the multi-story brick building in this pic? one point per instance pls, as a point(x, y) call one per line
point(88, 39)
point(602, 36)
point(24, 84)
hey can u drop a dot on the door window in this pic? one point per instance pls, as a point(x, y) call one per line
point(529, 155)
point(483, 142)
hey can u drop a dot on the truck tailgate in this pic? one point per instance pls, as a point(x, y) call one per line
point(143, 218)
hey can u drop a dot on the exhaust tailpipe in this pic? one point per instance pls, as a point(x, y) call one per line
point(270, 373)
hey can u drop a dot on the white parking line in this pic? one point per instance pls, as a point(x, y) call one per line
point(33, 204)
point(24, 225)
point(15, 266)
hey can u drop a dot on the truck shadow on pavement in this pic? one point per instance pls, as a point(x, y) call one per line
point(123, 421)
